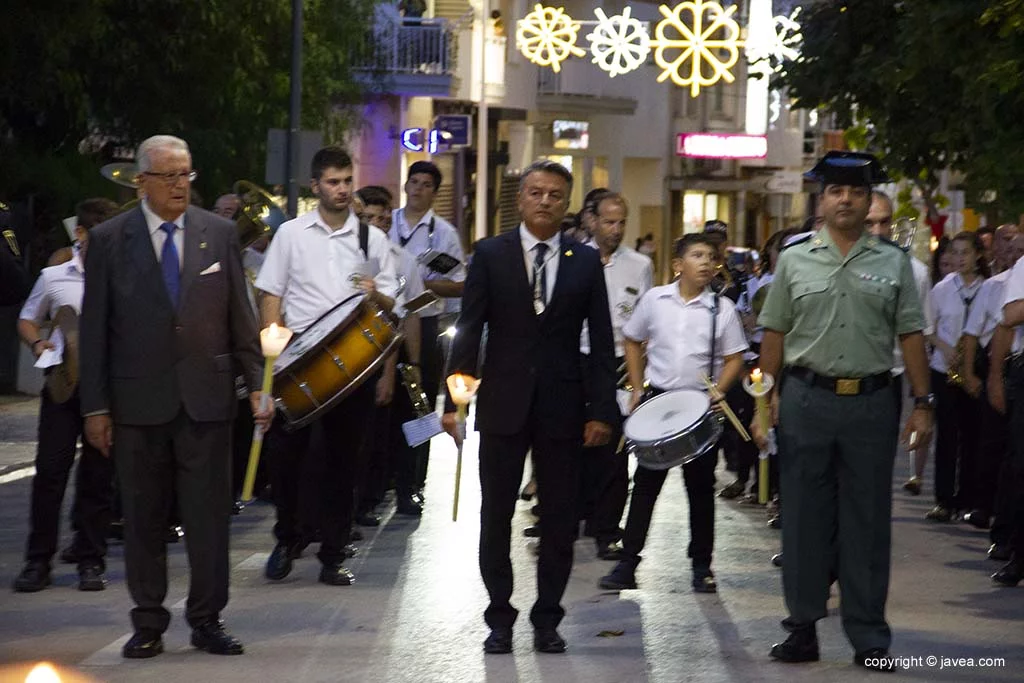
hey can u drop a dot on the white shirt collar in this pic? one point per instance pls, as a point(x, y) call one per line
point(706, 298)
point(153, 222)
point(530, 241)
point(317, 221)
point(405, 230)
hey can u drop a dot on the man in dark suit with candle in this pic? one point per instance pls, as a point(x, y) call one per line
point(534, 288)
point(165, 321)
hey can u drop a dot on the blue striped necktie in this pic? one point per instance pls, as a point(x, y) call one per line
point(169, 264)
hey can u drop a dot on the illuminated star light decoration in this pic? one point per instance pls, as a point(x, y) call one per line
point(786, 44)
point(619, 44)
point(547, 36)
point(697, 44)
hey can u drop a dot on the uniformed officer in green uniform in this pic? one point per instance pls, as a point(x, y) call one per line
point(838, 300)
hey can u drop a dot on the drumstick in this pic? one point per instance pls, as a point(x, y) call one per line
point(717, 395)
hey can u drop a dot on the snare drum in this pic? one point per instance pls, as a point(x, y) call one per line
point(672, 429)
point(332, 358)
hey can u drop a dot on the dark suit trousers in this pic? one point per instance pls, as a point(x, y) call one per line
point(404, 460)
point(60, 425)
point(604, 487)
point(957, 422)
point(699, 478)
point(193, 460)
point(556, 465)
point(344, 429)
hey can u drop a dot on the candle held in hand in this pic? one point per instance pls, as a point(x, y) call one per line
point(273, 339)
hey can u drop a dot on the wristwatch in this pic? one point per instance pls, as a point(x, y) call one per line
point(926, 401)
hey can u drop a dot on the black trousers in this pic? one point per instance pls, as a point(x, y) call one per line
point(604, 485)
point(958, 421)
point(60, 425)
point(405, 461)
point(379, 449)
point(699, 478)
point(556, 465)
point(431, 368)
point(1015, 492)
point(740, 455)
point(992, 450)
point(192, 459)
point(336, 463)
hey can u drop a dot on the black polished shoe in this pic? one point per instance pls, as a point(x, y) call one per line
point(211, 637)
point(623, 577)
point(33, 578)
point(368, 519)
point(90, 577)
point(279, 564)
point(350, 550)
point(499, 642)
point(143, 644)
point(704, 581)
point(174, 533)
point(775, 522)
point(979, 519)
point(336, 574)
point(800, 646)
point(876, 659)
point(532, 531)
point(609, 551)
point(69, 555)
point(939, 513)
point(548, 641)
point(237, 507)
point(777, 560)
point(1010, 574)
point(733, 490)
point(1000, 552)
point(409, 506)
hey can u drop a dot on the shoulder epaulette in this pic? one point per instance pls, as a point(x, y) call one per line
point(12, 242)
point(800, 239)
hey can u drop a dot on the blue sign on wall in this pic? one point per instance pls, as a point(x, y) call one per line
point(459, 128)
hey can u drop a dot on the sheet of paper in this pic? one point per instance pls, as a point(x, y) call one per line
point(422, 429)
point(622, 397)
point(54, 356)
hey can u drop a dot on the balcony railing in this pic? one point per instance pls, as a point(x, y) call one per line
point(405, 48)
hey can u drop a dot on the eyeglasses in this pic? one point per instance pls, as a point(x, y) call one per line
point(173, 178)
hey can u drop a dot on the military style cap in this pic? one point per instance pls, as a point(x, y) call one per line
point(848, 168)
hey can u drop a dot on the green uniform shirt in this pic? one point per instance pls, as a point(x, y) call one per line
point(840, 316)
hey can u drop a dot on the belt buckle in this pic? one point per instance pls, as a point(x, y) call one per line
point(847, 387)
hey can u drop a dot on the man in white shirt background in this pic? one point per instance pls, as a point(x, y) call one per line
point(60, 426)
point(424, 234)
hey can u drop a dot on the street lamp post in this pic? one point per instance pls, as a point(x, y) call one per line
point(294, 111)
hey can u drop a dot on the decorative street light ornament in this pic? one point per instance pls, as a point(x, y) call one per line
point(721, 146)
point(619, 44)
point(547, 36)
point(700, 41)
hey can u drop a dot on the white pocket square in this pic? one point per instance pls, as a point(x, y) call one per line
point(215, 268)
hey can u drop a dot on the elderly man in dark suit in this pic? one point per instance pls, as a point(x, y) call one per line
point(534, 288)
point(165, 321)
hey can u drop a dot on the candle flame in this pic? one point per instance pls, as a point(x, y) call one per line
point(43, 673)
point(273, 330)
point(756, 375)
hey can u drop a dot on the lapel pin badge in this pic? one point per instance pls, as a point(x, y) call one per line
point(202, 245)
point(569, 253)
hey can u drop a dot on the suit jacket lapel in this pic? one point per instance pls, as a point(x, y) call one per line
point(517, 276)
point(142, 258)
point(566, 266)
point(195, 239)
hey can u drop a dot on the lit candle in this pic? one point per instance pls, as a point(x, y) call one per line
point(273, 340)
point(462, 389)
point(759, 386)
point(757, 380)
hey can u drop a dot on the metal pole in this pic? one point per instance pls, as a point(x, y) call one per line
point(295, 111)
point(481, 228)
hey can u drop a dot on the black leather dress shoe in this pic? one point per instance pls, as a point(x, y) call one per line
point(800, 646)
point(211, 637)
point(1010, 574)
point(174, 533)
point(499, 642)
point(279, 564)
point(1000, 552)
point(979, 519)
point(409, 506)
point(548, 641)
point(623, 577)
point(777, 560)
point(237, 507)
point(704, 582)
point(775, 522)
point(368, 519)
point(876, 659)
point(69, 555)
point(336, 574)
point(90, 577)
point(33, 578)
point(609, 551)
point(143, 645)
point(350, 550)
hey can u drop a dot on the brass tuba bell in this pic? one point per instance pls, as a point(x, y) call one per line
point(903, 233)
point(259, 214)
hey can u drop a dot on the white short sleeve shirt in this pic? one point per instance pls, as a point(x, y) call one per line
point(678, 336)
point(60, 285)
point(628, 275)
point(419, 239)
point(951, 300)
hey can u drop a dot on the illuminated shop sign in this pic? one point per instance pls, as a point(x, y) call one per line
point(721, 146)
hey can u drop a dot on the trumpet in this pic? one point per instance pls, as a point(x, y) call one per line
point(954, 375)
point(414, 387)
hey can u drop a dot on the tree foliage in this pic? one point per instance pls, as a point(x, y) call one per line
point(936, 83)
point(215, 72)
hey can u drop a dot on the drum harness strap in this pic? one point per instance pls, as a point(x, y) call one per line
point(430, 234)
point(364, 240)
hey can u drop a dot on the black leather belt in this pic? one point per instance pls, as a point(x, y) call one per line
point(841, 386)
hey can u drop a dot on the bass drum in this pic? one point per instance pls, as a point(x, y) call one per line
point(672, 429)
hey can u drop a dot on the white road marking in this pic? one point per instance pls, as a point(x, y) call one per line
point(17, 474)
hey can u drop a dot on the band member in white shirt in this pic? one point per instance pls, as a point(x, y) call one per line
point(690, 331)
point(957, 419)
point(628, 275)
point(425, 235)
point(314, 263)
point(60, 426)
